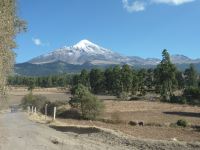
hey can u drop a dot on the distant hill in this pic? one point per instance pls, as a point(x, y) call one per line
point(59, 67)
point(53, 68)
point(87, 55)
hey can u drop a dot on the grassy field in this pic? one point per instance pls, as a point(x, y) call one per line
point(156, 116)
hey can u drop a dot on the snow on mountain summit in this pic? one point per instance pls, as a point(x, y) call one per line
point(90, 47)
point(83, 44)
point(82, 52)
point(88, 52)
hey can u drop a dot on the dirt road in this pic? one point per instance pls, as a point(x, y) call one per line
point(17, 132)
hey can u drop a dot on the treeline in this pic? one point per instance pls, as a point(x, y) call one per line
point(62, 80)
point(126, 81)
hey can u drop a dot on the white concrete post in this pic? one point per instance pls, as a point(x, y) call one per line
point(35, 110)
point(28, 109)
point(54, 114)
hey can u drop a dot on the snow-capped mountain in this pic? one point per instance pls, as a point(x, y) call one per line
point(181, 59)
point(86, 52)
point(82, 52)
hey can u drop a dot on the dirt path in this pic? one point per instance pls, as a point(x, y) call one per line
point(17, 132)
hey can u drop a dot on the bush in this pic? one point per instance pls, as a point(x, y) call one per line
point(192, 95)
point(178, 99)
point(89, 106)
point(124, 96)
point(70, 113)
point(37, 101)
point(182, 123)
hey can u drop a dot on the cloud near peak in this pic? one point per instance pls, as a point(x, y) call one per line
point(140, 5)
point(37, 41)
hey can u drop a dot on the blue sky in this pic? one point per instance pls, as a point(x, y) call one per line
point(130, 27)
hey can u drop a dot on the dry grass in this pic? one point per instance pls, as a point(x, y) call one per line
point(157, 116)
point(153, 111)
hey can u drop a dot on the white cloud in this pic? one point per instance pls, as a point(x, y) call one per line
point(135, 6)
point(140, 5)
point(173, 2)
point(37, 41)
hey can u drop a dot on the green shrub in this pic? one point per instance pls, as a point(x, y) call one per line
point(182, 123)
point(124, 96)
point(178, 99)
point(91, 107)
point(192, 95)
point(69, 113)
point(37, 101)
point(88, 104)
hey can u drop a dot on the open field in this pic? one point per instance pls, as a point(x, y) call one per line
point(156, 116)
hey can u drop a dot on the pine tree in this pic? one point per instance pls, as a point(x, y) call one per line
point(166, 76)
point(126, 78)
point(191, 77)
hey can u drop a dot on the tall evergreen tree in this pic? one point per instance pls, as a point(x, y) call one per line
point(191, 77)
point(117, 84)
point(142, 76)
point(135, 82)
point(180, 80)
point(109, 80)
point(166, 76)
point(126, 78)
point(84, 78)
point(97, 81)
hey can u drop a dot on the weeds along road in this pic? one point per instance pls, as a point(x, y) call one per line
point(19, 133)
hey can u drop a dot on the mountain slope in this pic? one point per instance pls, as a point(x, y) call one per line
point(82, 52)
point(87, 55)
point(58, 67)
point(88, 52)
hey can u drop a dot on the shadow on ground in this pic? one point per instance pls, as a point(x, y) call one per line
point(187, 114)
point(77, 130)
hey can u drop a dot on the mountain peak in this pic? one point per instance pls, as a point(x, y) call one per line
point(84, 44)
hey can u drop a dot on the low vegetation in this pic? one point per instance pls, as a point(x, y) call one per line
point(37, 101)
point(182, 123)
point(82, 100)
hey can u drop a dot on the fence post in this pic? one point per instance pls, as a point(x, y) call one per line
point(46, 111)
point(32, 109)
point(35, 110)
point(54, 114)
point(28, 109)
